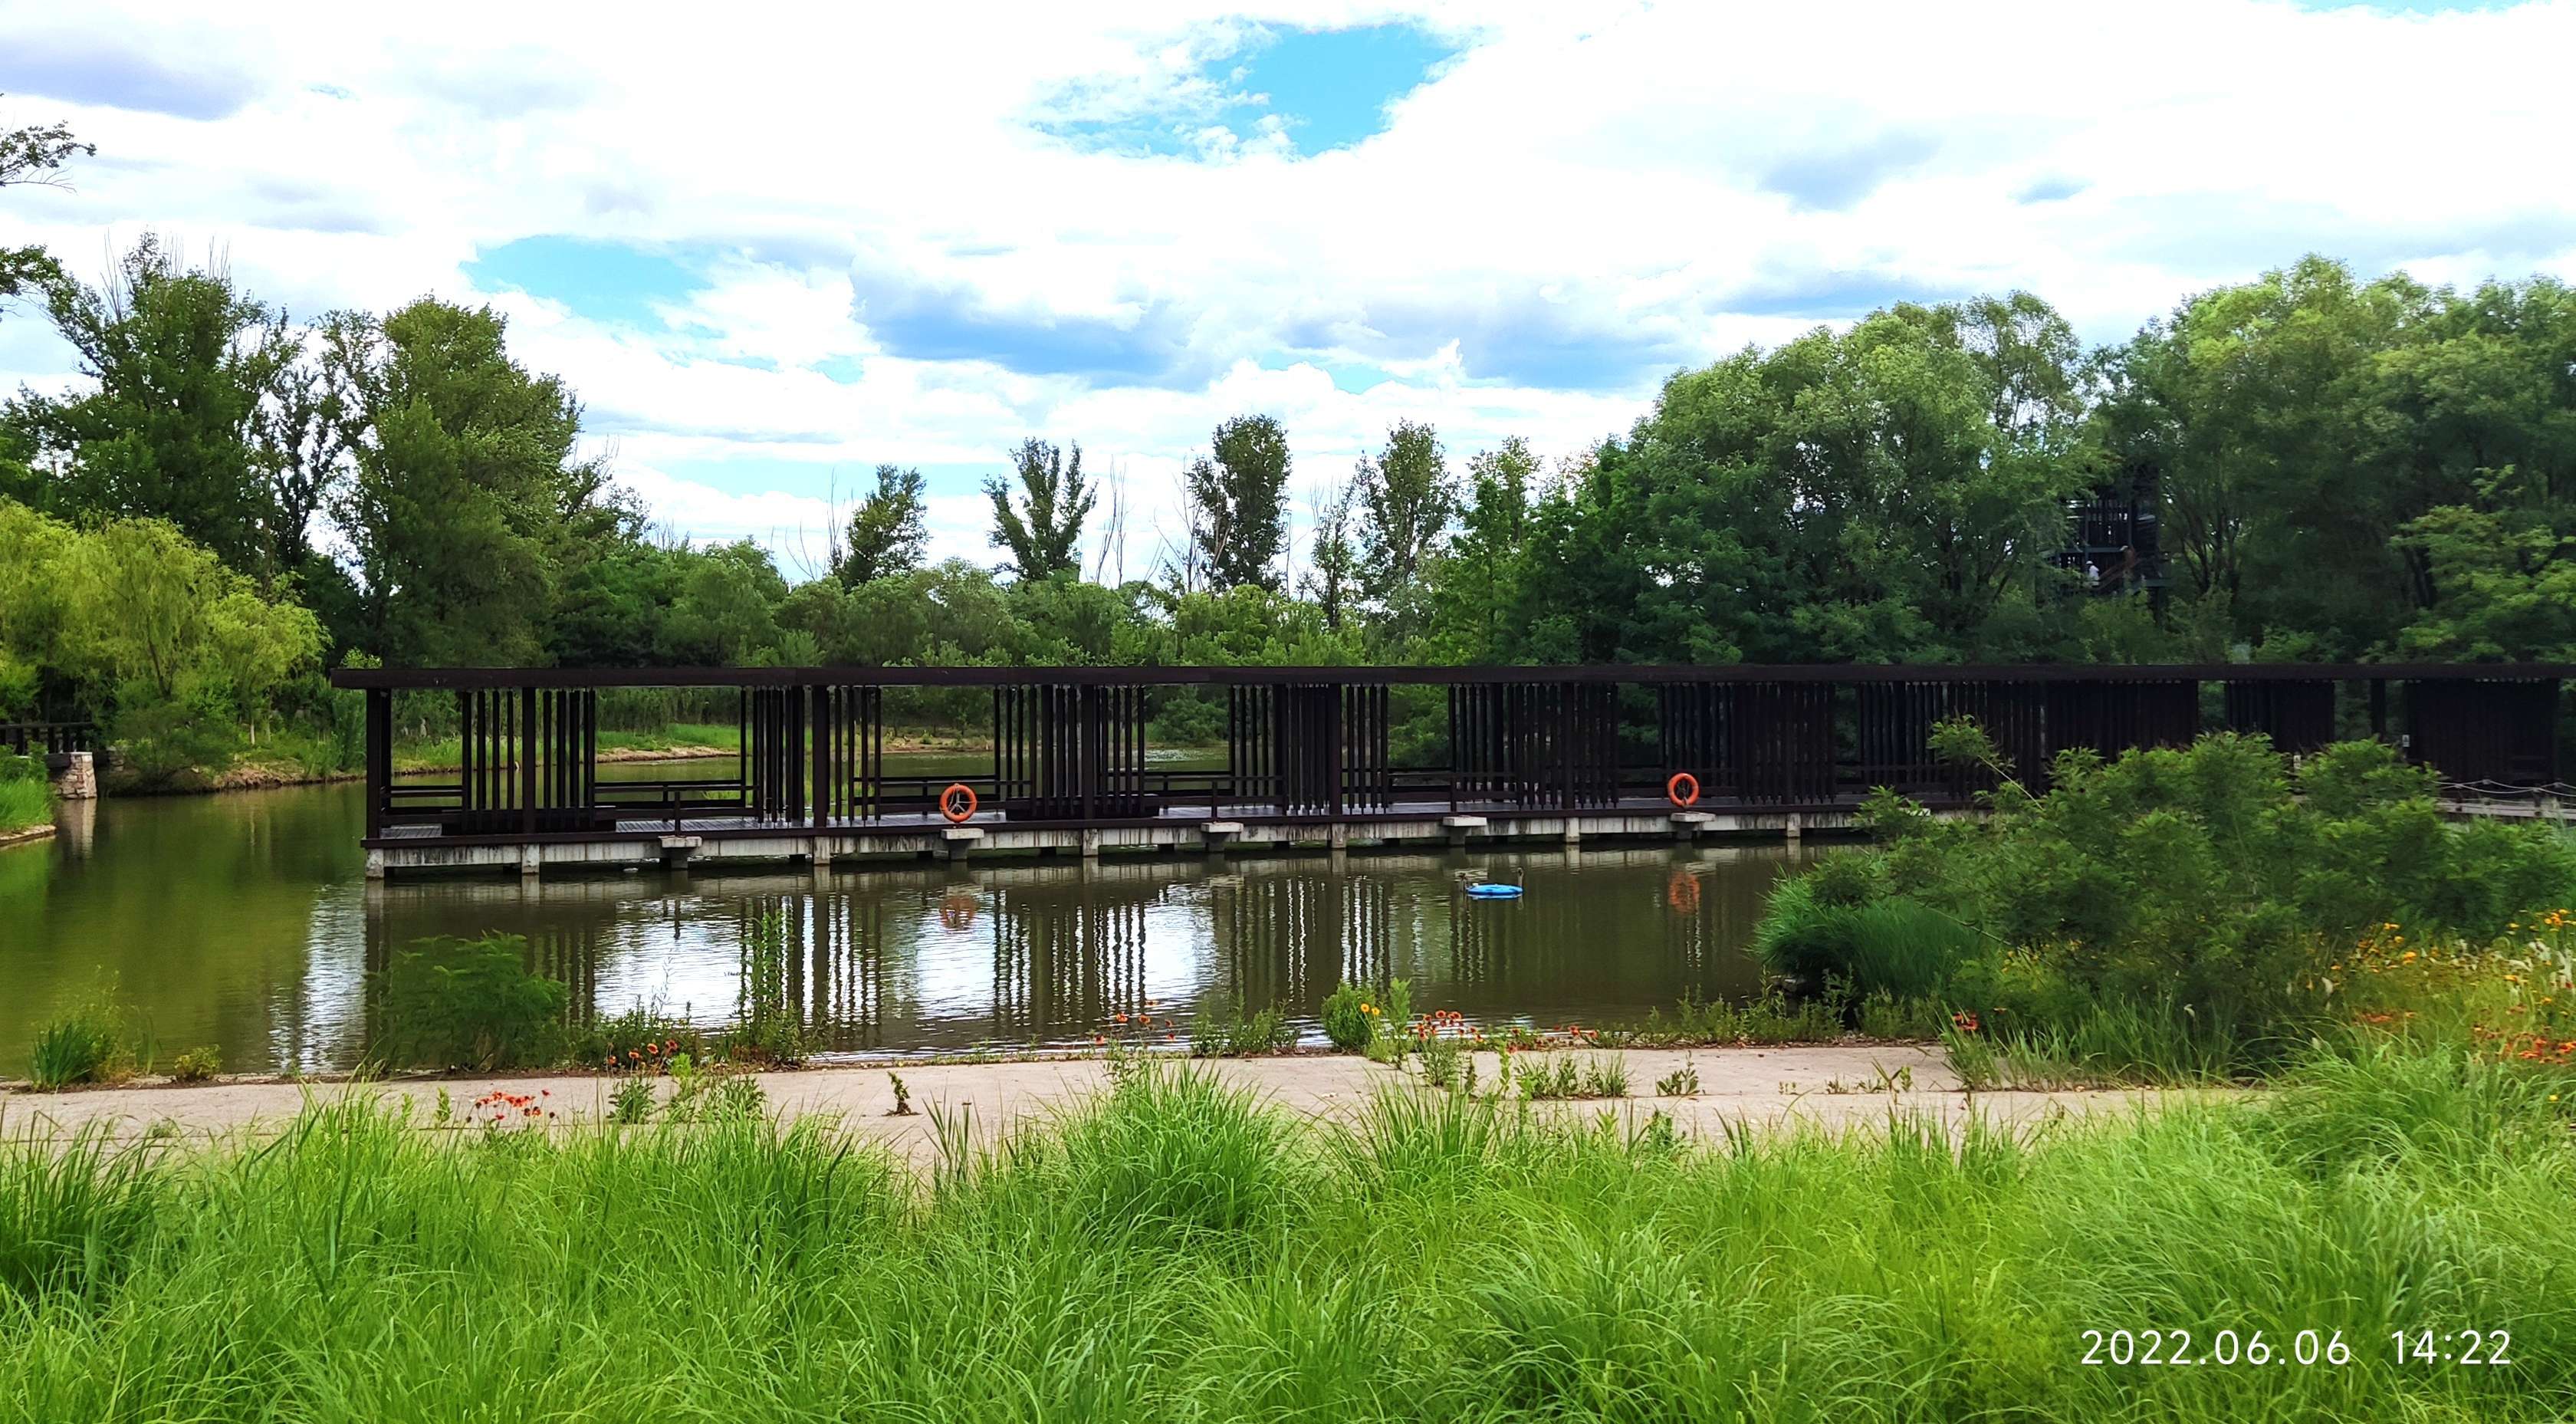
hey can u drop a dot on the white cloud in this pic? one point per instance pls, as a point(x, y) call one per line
point(1585, 199)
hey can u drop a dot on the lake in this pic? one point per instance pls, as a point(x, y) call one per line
point(245, 920)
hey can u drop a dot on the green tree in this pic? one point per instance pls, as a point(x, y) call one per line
point(2261, 411)
point(1404, 506)
point(33, 157)
point(183, 363)
point(468, 501)
point(1332, 579)
point(1474, 586)
point(726, 614)
point(1043, 530)
point(888, 530)
point(1236, 508)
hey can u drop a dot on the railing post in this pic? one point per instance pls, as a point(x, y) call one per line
point(380, 758)
point(528, 760)
point(821, 698)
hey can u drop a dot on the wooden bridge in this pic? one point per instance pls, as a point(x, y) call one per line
point(1347, 755)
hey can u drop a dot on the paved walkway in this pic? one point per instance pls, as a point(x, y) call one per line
point(1760, 1088)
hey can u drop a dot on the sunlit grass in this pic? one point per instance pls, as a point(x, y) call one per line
point(1179, 1251)
point(23, 803)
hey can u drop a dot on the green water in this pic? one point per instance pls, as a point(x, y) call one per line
point(245, 920)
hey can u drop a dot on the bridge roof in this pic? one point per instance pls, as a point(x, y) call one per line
point(561, 677)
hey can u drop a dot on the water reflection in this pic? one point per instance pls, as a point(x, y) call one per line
point(953, 958)
point(246, 922)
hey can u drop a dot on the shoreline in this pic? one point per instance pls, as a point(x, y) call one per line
point(271, 776)
point(27, 836)
point(1762, 1088)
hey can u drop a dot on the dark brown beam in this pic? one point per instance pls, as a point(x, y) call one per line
point(410, 678)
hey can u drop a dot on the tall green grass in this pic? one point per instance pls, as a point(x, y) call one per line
point(26, 797)
point(1181, 1252)
point(1889, 945)
point(82, 1045)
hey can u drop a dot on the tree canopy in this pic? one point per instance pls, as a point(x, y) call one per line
point(2336, 467)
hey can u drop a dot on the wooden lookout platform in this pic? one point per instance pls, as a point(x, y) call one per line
point(1346, 756)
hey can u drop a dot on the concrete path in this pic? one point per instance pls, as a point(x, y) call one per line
point(1760, 1088)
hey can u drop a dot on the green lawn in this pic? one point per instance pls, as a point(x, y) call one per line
point(1179, 1253)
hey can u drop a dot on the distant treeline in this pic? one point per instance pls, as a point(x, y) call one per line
point(2304, 466)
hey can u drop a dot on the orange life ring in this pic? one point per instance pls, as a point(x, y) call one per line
point(948, 804)
point(1673, 789)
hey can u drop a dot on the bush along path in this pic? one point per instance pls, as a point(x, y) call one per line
point(2192, 915)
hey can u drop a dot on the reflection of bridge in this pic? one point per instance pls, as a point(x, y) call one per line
point(1310, 753)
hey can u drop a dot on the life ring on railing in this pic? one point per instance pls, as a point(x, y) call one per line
point(1673, 789)
point(957, 810)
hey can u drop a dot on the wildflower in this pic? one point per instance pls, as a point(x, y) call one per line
point(1122, 1018)
point(670, 1045)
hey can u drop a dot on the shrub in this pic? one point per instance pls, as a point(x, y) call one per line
point(1346, 1019)
point(1682, 1082)
point(1605, 1077)
point(1440, 1060)
point(2183, 904)
point(161, 744)
point(1221, 1030)
point(632, 1102)
point(451, 1003)
point(83, 1046)
point(612, 1040)
point(766, 1028)
point(1890, 945)
point(197, 1064)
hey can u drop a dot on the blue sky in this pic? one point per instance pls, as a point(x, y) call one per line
point(769, 255)
point(1315, 90)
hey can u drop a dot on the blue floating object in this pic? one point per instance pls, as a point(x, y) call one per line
point(1483, 891)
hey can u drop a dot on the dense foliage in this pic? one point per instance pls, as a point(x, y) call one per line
point(2217, 887)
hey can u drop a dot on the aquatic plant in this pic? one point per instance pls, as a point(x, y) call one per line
point(1220, 1029)
point(83, 1045)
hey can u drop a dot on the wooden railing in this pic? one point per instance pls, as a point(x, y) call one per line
point(1070, 745)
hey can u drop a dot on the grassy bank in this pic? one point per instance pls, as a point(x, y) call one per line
point(26, 796)
point(1177, 1252)
point(294, 757)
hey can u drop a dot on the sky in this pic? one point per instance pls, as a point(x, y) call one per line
point(772, 248)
